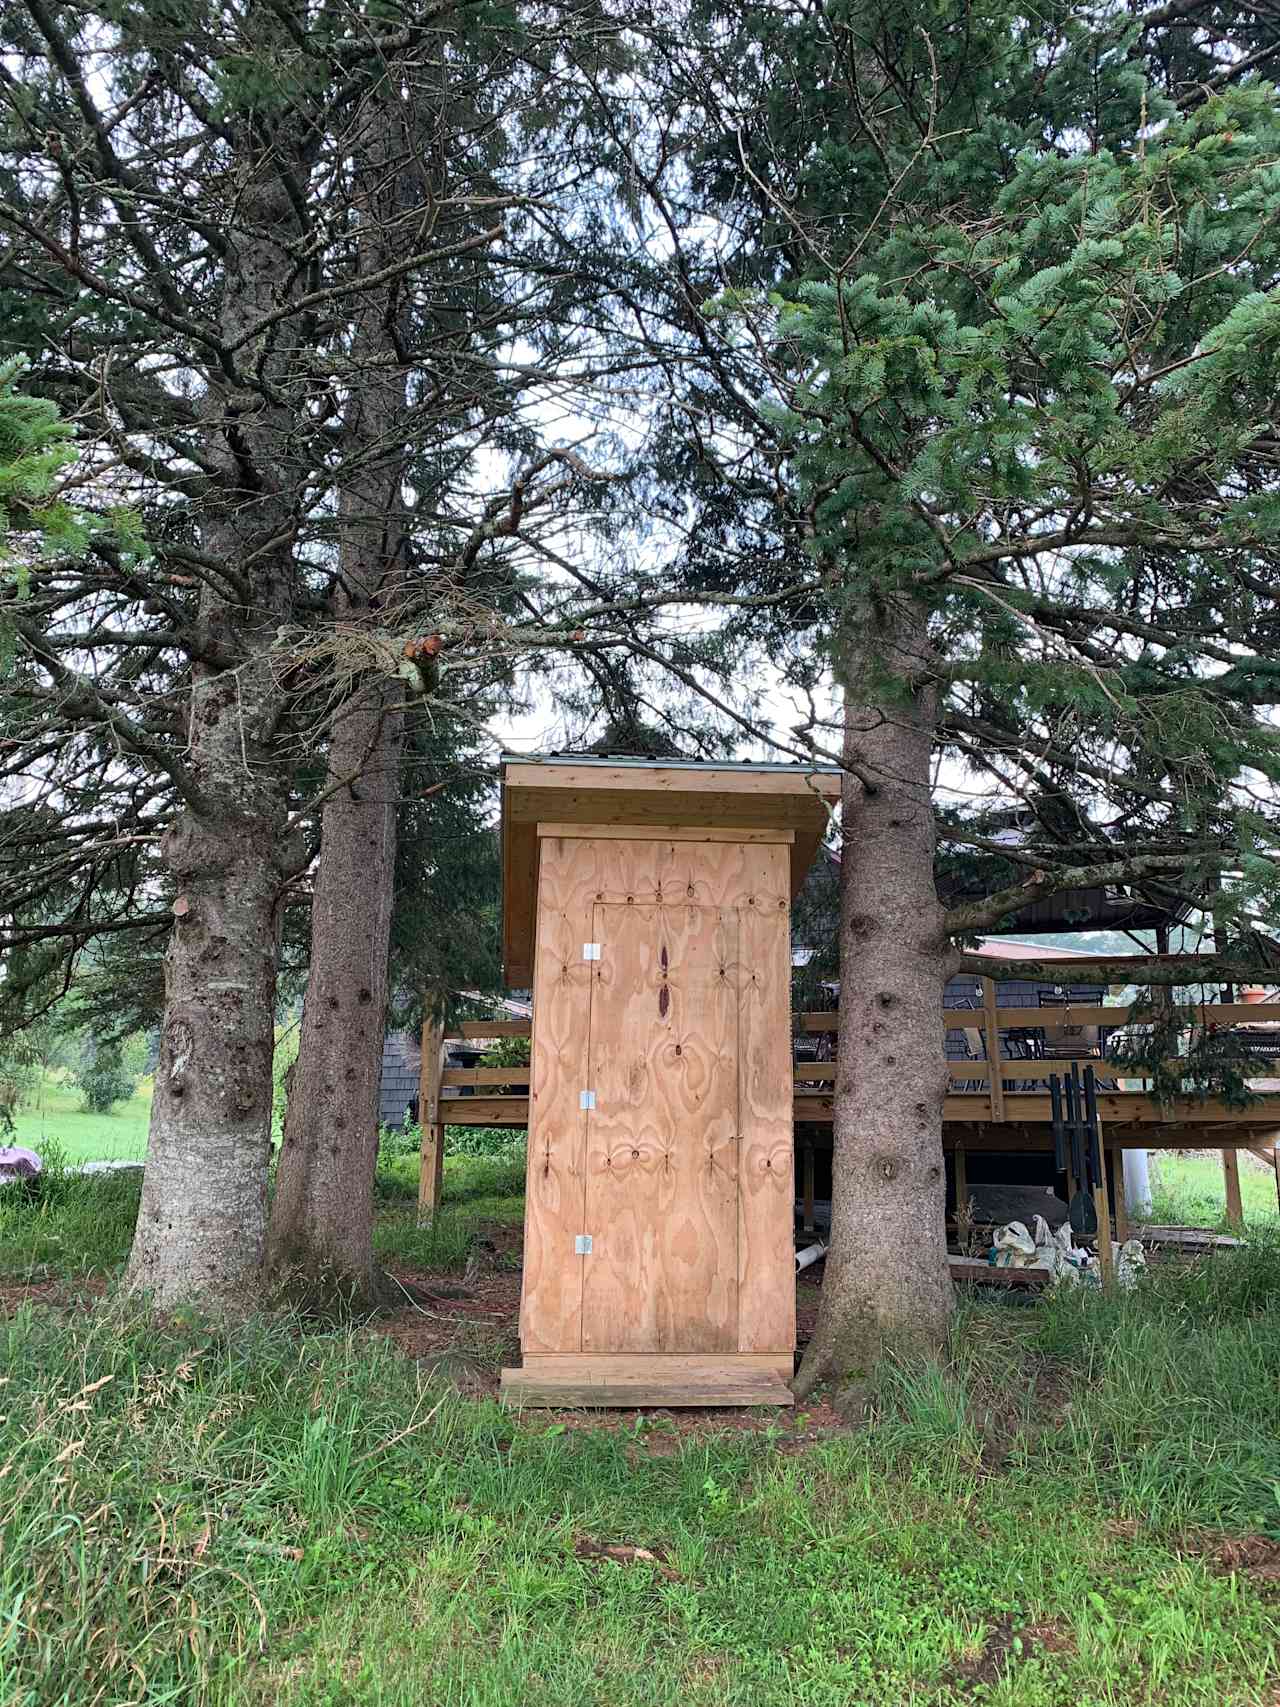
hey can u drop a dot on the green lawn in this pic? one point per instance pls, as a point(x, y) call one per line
point(1081, 1508)
point(1187, 1190)
point(54, 1112)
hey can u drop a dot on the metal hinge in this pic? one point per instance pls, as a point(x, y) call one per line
point(582, 1245)
point(591, 951)
point(586, 1099)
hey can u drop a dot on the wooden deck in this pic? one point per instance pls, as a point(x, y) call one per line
point(980, 1116)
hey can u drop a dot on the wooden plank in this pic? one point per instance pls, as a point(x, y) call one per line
point(962, 1183)
point(486, 1028)
point(665, 833)
point(1115, 1180)
point(977, 1271)
point(814, 784)
point(485, 1076)
point(766, 1203)
point(551, 1291)
point(561, 1393)
point(1231, 1182)
point(431, 1147)
point(662, 1139)
point(956, 1019)
point(991, 1038)
point(1211, 1013)
point(486, 1111)
point(667, 1366)
point(1102, 1207)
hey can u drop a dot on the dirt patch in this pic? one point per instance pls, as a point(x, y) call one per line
point(624, 1553)
point(56, 1291)
point(478, 1331)
point(1004, 1640)
point(1254, 1556)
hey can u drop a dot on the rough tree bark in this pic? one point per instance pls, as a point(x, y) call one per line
point(320, 1241)
point(887, 1282)
point(321, 1233)
point(202, 1222)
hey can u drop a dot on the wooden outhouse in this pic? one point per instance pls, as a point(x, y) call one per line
point(647, 905)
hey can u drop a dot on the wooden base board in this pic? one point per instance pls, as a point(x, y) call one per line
point(565, 1380)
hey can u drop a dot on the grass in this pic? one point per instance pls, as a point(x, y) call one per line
point(188, 1516)
point(54, 1115)
point(279, 1518)
point(1187, 1190)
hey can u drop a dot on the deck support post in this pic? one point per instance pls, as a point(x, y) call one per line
point(431, 1174)
point(1231, 1180)
point(962, 1185)
point(808, 1163)
point(991, 1034)
point(1115, 1180)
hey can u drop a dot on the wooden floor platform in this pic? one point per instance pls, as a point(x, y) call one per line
point(625, 1382)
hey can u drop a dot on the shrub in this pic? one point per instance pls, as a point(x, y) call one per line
point(104, 1079)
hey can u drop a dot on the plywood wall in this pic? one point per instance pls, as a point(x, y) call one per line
point(682, 1172)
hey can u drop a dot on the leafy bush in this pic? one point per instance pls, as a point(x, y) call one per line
point(498, 1141)
point(403, 1140)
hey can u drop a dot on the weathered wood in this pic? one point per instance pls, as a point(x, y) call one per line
point(1231, 1182)
point(1115, 1181)
point(956, 1019)
point(485, 1076)
point(766, 1204)
point(481, 1029)
point(431, 1151)
point(991, 1039)
point(962, 1183)
point(977, 1271)
point(1102, 1207)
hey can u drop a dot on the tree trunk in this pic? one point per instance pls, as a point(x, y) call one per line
point(201, 1227)
point(202, 1219)
point(321, 1237)
point(320, 1244)
point(887, 1282)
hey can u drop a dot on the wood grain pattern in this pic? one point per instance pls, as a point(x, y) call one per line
point(766, 1201)
point(663, 832)
point(638, 1366)
point(662, 1163)
point(708, 1387)
point(551, 1295)
point(431, 1147)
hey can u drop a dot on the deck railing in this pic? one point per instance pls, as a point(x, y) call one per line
point(970, 1078)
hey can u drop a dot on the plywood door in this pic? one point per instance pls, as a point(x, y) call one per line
point(662, 1140)
point(742, 1043)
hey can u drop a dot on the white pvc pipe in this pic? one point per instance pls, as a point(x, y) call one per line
point(810, 1255)
point(1137, 1184)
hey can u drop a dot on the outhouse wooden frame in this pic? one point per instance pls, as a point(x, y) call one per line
point(647, 905)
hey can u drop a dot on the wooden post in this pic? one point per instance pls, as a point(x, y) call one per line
point(431, 1175)
point(991, 1032)
point(1115, 1179)
point(962, 1185)
point(809, 1221)
point(1106, 1260)
point(1231, 1179)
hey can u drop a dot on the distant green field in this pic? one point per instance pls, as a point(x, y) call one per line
point(55, 1112)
